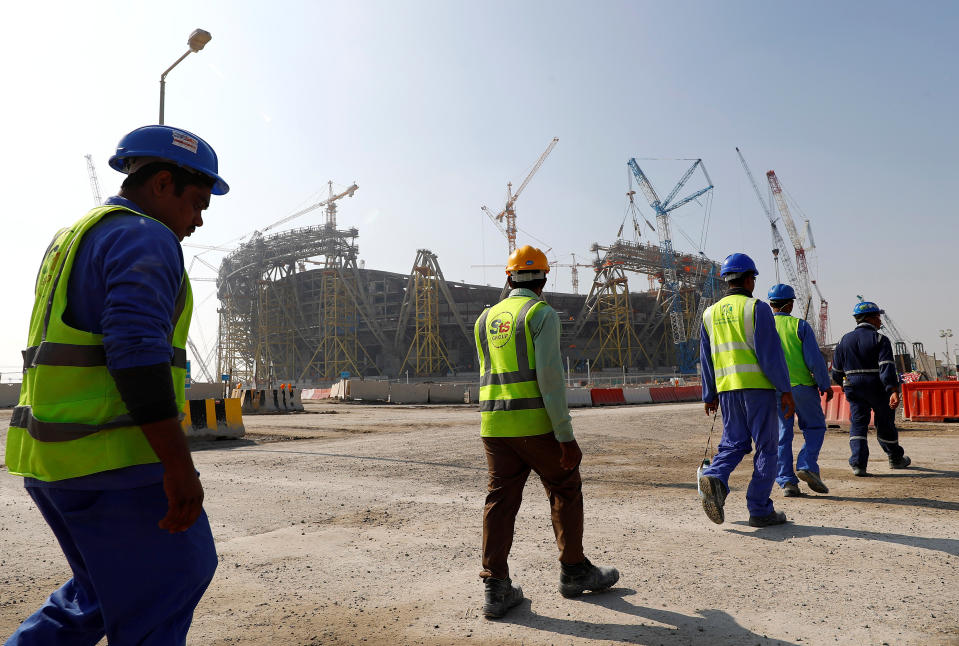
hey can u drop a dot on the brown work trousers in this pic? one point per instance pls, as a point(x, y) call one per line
point(510, 460)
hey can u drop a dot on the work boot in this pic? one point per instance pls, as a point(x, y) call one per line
point(574, 580)
point(770, 519)
point(859, 471)
point(501, 595)
point(714, 497)
point(791, 490)
point(900, 463)
point(813, 480)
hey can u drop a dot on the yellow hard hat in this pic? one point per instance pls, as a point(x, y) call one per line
point(527, 258)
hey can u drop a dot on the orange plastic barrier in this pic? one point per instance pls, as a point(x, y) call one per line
point(837, 410)
point(663, 394)
point(931, 401)
point(689, 393)
point(607, 396)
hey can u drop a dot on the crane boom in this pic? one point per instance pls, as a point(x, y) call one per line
point(94, 182)
point(327, 202)
point(804, 297)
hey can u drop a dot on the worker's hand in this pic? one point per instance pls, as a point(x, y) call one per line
point(788, 405)
point(829, 395)
point(712, 407)
point(184, 495)
point(894, 400)
point(571, 456)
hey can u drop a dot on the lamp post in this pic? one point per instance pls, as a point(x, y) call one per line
point(198, 39)
point(945, 334)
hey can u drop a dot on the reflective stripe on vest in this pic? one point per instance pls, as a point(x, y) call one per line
point(70, 420)
point(788, 328)
point(731, 327)
point(511, 404)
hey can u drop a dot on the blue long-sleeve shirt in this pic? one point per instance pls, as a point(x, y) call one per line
point(769, 352)
point(864, 358)
point(811, 354)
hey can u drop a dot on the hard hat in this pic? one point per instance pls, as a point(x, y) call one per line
point(527, 258)
point(867, 307)
point(781, 292)
point(738, 263)
point(170, 144)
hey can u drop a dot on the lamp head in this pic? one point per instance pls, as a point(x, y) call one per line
point(198, 39)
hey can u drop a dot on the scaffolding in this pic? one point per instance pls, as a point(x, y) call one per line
point(427, 350)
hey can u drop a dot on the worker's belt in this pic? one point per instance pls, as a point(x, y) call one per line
point(863, 371)
point(78, 356)
point(525, 403)
point(22, 417)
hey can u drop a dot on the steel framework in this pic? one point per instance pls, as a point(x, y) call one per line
point(427, 353)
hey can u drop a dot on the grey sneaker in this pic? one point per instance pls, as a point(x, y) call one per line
point(574, 580)
point(859, 471)
point(813, 480)
point(501, 595)
point(900, 463)
point(791, 490)
point(714, 497)
point(773, 518)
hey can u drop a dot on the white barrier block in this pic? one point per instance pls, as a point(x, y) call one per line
point(472, 395)
point(576, 397)
point(377, 391)
point(409, 393)
point(637, 396)
point(204, 391)
point(447, 394)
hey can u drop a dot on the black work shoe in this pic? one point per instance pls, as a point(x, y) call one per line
point(501, 595)
point(574, 580)
point(900, 463)
point(714, 497)
point(813, 480)
point(791, 490)
point(770, 519)
point(859, 471)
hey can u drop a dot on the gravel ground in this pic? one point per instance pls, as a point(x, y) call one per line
point(352, 524)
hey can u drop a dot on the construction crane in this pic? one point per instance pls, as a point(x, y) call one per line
point(803, 295)
point(574, 266)
point(890, 325)
point(686, 348)
point(94, 182)
point(823, 331)
point(508, 212)
point(329, 203)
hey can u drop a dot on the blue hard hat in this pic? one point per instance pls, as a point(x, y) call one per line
point(172, 144)
point(738, 263)
point(867, 307)
point(781, 292)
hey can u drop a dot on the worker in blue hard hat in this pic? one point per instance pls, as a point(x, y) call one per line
point(808, 376)
point(863, 365)
point(96, 433)
point(743, 367)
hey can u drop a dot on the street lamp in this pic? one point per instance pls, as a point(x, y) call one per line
point(945, 334)
point(198, 39)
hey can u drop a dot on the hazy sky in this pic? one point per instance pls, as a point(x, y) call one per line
point(431, 107)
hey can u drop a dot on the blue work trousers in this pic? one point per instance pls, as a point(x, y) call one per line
point(812, 423)
point(749, 417)
point(132, 581)
point(863, 400)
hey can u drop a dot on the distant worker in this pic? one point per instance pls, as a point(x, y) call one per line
point(742, 368)
point(526, 426)
point(863, 365)
point(96, 434)
point(808, 376)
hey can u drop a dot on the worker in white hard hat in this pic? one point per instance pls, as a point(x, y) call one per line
point(526, 426)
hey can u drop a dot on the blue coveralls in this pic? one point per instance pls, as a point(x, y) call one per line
point(863, 365)
point(132, 581)
point(749, 415)
point(812, 419)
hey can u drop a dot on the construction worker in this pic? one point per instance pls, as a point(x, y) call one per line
point(863, 365)
point(808, 376)
point(96, 434)
point(526, 426)
point(743, 367)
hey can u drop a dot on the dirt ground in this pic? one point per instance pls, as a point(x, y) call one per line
point(352, 524)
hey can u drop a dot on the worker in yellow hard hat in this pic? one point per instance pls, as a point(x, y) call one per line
point(526, 426)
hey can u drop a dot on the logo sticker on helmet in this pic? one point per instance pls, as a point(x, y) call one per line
point(183, 140)
point(500, 330)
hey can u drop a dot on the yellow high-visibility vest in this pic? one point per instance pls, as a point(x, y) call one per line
point(788, 329)
point(731, 326)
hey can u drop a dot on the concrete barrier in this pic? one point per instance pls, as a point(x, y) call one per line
point(607, 396)
point(447, 394)
point(472, 395)
point(338, 390)
point(213, 418)
point(410, 393)
point(9, 395)
point(275, 400)
point(370, 391)
point(637, 396)
point(577, 397)
point(689, 393)
point(204, 391)
point(663, 394)
point(315, 393)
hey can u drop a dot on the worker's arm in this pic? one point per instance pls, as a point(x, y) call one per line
point(710, 397)
point(813, 357)
point(544, 327)
point(887, 365)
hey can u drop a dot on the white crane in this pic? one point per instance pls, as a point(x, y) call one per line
point(803, 293)
point(94, 182)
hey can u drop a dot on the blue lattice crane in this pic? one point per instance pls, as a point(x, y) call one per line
point(687, 349)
